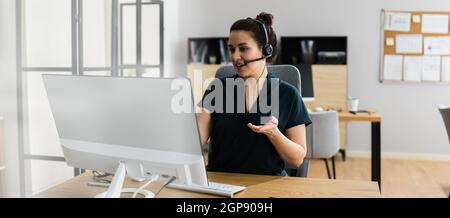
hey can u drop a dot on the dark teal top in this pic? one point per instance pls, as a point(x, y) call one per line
point(234, 146)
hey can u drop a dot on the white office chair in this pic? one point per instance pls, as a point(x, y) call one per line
point(287, 73)
point(445, 112)
point(322, 138)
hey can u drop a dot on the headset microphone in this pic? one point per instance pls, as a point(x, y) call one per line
point(250, 61)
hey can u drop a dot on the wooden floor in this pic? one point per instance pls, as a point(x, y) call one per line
point(400, 178)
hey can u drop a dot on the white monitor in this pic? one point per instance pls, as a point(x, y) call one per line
point(119, 124)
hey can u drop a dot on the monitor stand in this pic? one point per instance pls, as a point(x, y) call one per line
point(116, 187)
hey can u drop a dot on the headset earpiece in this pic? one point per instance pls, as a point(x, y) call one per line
point(267, 48)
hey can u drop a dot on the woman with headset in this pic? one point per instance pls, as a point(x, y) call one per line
point(241, 142)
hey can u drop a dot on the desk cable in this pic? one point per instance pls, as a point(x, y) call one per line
point(100, 178)
point(100, 181)
point(152, 179)
point(167, 183)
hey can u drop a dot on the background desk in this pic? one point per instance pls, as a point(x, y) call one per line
point(375, 119)
point(257, 187)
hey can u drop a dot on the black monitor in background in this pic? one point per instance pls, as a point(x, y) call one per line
point(306, 81)
point(313, 50)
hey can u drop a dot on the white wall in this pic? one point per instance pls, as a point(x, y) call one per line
point(172, 40)
point(411, 122)
point(8, 95)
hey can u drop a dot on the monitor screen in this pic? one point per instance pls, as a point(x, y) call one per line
point(306, 81)
point(314, 50)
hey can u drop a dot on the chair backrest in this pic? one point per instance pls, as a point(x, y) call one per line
point(287, 73)
point(445, 112)
point(322, 136)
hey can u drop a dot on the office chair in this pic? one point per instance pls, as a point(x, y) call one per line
point(322, 138)
point(445, 112)
point(289, 74)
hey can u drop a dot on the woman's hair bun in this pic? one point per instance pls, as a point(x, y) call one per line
point(266, 18)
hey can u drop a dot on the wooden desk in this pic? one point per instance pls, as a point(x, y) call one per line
point(375, 119)
point(257, 187)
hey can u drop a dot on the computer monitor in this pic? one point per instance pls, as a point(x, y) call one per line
point(306, 81)
point(124, 126)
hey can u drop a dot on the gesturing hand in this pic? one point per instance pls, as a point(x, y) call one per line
point(268, 128)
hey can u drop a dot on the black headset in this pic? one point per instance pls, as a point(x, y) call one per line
point(267, 48)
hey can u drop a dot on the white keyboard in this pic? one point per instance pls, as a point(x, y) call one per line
point(213, 188)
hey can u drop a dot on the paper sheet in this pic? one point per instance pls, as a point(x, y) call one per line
point(435, 23)
point(397, 21)
point(446, 69)
point(390, 41)
point(416, 18)
point(408, 43)
point(412, 68)
point(431, 68)
point(436, 45)
point(392, 67)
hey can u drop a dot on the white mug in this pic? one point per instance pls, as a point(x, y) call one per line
point(212, 59)
point(353, 104)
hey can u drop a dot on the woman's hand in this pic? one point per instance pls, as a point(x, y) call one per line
point(269, 129)
point(291, 148)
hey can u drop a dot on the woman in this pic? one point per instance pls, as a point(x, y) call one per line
point(241, 142)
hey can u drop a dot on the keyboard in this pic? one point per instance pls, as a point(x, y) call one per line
point(213, 188)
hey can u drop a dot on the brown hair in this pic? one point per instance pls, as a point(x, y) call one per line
point(257, 30)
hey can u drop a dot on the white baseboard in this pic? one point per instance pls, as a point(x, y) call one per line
point(402, 156)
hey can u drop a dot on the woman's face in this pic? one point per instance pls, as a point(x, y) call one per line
point(242, 46)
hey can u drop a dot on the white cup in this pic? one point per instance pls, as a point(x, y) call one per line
point(353, 104)
point(212, 59)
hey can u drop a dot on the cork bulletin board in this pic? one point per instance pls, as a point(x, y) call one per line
point(415, 46)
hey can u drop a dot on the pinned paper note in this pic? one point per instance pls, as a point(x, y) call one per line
point(390, 41)
point(431, 68)
point(436, 45)
point(416, 18)
point(435, 23)
point(446, 69)
point(412, 68)
point(397, 21)
point(392, 67)
point(408, 43)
